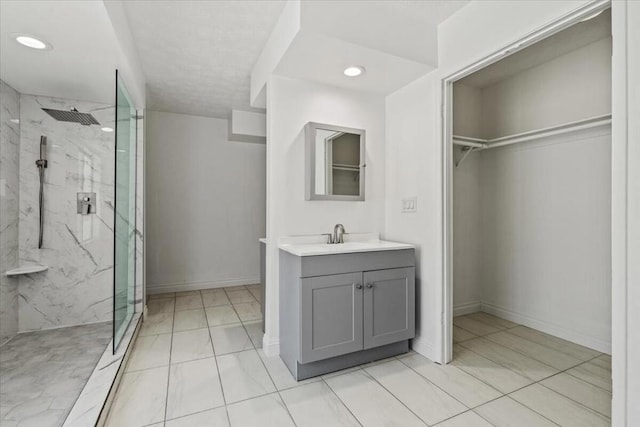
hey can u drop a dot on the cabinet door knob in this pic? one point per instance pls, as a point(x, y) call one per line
point(358, 286)
point(369, 285)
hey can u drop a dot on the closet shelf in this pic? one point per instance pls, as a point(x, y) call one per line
point(484, 144)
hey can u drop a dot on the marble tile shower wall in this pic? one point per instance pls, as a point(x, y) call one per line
point(77, 288)
point(9, 208)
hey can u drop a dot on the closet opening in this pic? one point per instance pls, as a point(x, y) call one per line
point(527, 299)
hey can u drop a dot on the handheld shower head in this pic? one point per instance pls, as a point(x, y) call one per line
point(42, 161)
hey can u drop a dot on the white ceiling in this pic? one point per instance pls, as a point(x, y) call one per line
point(568, 40)
point(394, 40)
point(84, 56)
point(197, 56)
point(403, 28)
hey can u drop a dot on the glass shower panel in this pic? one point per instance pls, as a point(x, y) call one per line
point(125, 213)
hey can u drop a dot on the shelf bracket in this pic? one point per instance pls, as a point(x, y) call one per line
point(468, 151)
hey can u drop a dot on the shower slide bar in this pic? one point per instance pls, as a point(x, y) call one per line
point(475, 144)
point(41, 164)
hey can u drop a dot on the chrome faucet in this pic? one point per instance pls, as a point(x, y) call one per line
point(338, 234)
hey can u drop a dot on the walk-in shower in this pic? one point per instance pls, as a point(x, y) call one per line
point(76, 216)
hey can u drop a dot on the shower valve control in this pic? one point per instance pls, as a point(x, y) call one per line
point(86, 203)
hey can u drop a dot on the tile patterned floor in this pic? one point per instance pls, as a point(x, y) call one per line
point(42, 373)
point(198, 362)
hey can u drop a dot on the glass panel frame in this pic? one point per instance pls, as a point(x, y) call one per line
point(124, 242)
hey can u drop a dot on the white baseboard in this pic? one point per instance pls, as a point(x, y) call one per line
point(270, 346)
point(547, 327)
point(468, 308)
point(197, 286)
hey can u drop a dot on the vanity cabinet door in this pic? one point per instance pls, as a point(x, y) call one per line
point(331, 316)
point(389, 306)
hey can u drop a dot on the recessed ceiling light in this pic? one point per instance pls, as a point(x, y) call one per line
point(592, 16)
point(354, 71)
point(32, 42)
point(106, 129)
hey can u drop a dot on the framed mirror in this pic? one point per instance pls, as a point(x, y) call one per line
point(335, 162)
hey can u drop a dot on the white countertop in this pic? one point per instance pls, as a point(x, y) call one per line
point(314, 245)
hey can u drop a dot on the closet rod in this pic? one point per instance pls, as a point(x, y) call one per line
point(484, 144)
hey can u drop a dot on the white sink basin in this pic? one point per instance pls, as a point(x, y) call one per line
point(312, 249)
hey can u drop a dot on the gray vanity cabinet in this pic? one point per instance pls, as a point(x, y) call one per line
point(389, 306)
point(338, 311)
point(331, 316)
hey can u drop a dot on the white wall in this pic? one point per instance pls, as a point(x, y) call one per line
point(414, 165)
point(467, 214)
point(574, 86)
point(546, 235)
point(415, 147)
point(290, 105)
point(205, 204)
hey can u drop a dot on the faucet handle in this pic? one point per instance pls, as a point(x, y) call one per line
point(329, 238)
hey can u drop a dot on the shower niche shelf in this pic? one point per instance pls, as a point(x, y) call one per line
point(27, 269)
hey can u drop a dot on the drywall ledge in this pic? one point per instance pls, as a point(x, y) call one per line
point(247, 126)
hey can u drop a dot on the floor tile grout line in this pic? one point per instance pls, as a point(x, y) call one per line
point(446, 392)
point(582, 362)
point(487, 322)
point(275, 387)
point(526, 339)
point(519, 352)
point(457, 415)
point(511, 392)
point(224, 397)
point(462, 368)
point(528, 355)
point(264, 366)
point(166, 396)
point(519, 403)
point(392, 394)
point(563, 370)
point(589, 382)
point(533, 381)
point(322, 379)
point(246, 332)
point(510, 369)
point(199, 358)
point(548, 346)
point(540, 383)
point(193, 413)
point(575, 401)
point(475, 335)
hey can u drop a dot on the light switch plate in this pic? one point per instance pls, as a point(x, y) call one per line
point(409, 205)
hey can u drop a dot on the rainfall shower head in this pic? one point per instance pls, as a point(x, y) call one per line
point(72, 115)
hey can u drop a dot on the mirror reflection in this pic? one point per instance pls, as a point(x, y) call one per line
point(337, 162)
